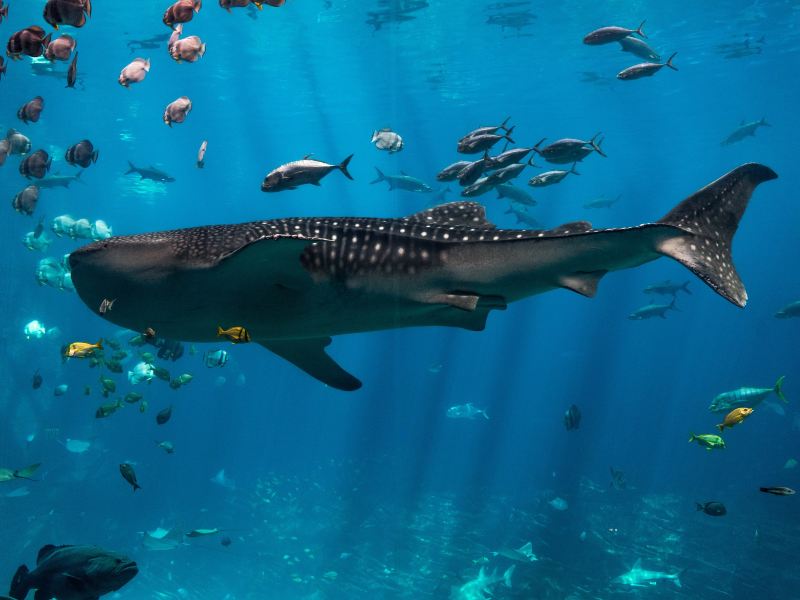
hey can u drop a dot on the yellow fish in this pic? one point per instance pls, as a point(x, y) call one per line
point(237, 335)
point(83, 349)
point(736, 416)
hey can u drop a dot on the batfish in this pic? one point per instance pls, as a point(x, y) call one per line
point(295, 282)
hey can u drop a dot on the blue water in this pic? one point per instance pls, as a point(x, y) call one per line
point(376, 493)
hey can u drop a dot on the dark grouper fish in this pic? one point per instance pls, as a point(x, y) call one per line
point(73, 573)
point(293, 283)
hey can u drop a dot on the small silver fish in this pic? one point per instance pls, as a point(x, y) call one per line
point(201, 154)
point(106, 305)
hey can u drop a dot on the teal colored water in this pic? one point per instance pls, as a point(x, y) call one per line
point(378, 493)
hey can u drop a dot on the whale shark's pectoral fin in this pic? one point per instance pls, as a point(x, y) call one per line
point(309, 355)
point(584, 284)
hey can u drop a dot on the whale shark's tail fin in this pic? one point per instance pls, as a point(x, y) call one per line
point(709, 219)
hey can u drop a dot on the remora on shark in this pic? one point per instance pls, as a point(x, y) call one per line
point(294, 283)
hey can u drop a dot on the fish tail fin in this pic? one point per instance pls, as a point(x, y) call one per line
point(597, 145)
point(705, 224)
point(219, 331)
point(692, 437)
point(685, 288)
point(779, 388)
point(48, 38)
point(763, 122)
point(721, 427)
point(673, 305)
point(503, 125)
point(343, 167)
point(95, 156)
point(500, 192)
point(19, 585)
point(131, 168)
point(574, 169)
point(640, 29)
point(507, 136)
point(539, 143)
point(699, 506)
point(100, 343)
point(136, 486)
point(531, 163)
point(381, 177)
point(507, 575)
point(669, 62)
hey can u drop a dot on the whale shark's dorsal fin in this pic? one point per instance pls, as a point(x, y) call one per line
point(571, 227)
point(454, 213)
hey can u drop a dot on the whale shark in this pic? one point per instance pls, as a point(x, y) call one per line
point(294, 283)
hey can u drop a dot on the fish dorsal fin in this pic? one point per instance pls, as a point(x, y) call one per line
point(637, 566)
point(571, 227)
point(454, 213)
point(46, 551)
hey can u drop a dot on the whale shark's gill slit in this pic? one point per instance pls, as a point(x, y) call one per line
point(709, 219)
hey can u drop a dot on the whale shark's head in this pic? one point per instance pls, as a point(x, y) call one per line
point(127, 270)
point(103, 269)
